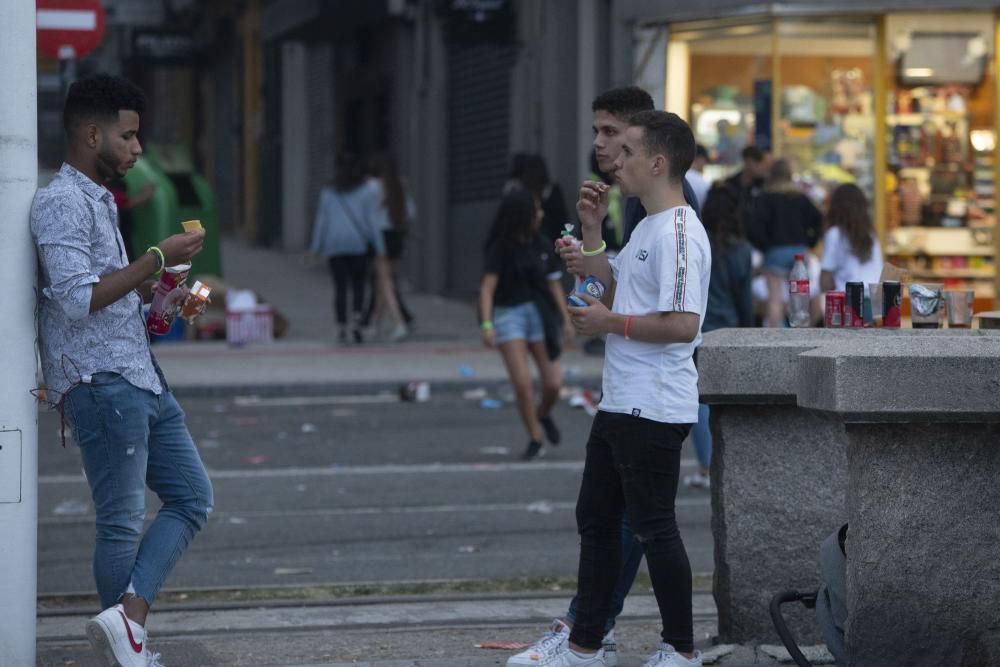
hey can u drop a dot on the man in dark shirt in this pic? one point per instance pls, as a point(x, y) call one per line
point(749, 181)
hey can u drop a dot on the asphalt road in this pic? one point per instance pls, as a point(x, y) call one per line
point(341, 489)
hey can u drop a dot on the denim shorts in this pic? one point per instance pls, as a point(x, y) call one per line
point(520, 322)
point(781, 259)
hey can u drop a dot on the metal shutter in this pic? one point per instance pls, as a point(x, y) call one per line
point(479, 120)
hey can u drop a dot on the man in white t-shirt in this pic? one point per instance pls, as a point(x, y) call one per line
point(656, 297)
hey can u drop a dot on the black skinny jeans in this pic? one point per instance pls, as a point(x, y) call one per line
point(633, 465)
point(348, 271)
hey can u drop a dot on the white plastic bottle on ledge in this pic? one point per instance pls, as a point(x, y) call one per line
point(798, 294)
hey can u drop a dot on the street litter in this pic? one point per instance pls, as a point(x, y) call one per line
point(490, 404)
point(291, 571)
point(470, 549)
point(345, 412)
point(541, 507)
point(71, 507)
point(237, 520)
point(308, 428)
point(300, 488)
point(475, 394)
point(418, 392)
point(495, 451)
point(584, 399)
point(257, 460)
point(220, 407)
point(466, 371)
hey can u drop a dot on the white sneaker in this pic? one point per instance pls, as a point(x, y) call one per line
point(564, 657)
point(666, 656)
point(399, 333)
point(698, 481)
point(547, 645)
point(610, 647)
point(119, 641)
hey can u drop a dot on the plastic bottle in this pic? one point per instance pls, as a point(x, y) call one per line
point(798, 294)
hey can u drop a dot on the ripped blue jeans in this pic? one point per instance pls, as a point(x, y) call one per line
point(632, 467)
point(129, 439)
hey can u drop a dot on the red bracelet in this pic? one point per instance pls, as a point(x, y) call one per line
point(628, 323)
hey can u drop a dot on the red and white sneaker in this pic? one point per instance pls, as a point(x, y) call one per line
point(119, 641)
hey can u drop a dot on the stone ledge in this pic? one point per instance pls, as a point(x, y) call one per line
point(761, 366)
point(942, 377)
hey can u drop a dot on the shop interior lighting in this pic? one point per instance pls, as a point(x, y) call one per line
point(983, 141)
point(919, 72)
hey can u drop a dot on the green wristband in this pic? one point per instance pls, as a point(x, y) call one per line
point(486, 325)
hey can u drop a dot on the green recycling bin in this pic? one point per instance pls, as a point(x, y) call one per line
point(180, 195)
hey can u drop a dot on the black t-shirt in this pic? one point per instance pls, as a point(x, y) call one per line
point(523, 271)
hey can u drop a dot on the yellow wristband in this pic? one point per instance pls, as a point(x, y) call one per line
point(591, 253)
point(159, 255)
point(486, 325)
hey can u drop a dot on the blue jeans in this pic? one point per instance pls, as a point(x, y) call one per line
point(129, 439)
point(632, 552)
point(702, 437)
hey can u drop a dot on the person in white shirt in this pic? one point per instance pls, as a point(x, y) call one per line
point(696, 175)
point(851, 251)
point(656, 298)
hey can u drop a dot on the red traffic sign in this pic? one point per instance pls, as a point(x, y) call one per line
point(69, 29)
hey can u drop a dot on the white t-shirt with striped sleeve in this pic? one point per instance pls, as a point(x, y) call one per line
point(665, 267)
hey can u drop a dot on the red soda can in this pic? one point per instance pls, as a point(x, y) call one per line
point(854, 311)
point(166, 299)
point(892, 301)
point(835, 305)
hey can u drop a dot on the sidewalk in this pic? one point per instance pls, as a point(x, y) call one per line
point(444, 348)
point(439, 631)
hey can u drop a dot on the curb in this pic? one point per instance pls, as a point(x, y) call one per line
point(449, 388)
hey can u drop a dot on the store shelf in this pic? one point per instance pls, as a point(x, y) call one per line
point(952, 274)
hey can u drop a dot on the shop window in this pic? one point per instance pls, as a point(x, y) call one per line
point(720, 74)
point(827, 121)
point(941, 137)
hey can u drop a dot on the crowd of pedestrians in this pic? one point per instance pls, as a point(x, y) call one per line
point(361, 224)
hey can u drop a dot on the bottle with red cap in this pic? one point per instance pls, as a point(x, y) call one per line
point(798, 294)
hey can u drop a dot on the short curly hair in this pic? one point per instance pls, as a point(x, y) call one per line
point(623, 102)
point(101, 97)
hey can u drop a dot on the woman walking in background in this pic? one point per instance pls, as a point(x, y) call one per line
point(730, 302)
point(396, 213)
point(851, 251)
point(523, 311)
point(785, 223)
point(346, 233)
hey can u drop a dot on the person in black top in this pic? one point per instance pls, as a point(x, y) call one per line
point(730, 300)
point(537, 182)
point(784, 223)
point(749, 181)
point(523, 310)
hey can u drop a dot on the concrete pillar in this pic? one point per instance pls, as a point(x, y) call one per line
point(922, 417)
point(295, 142)
point(18, 410)
point(429, 148)
point(587, 82)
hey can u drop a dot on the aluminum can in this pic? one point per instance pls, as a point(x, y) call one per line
point(854, 310)
point(892, 301)
point(835, 307)
point(166, 299)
